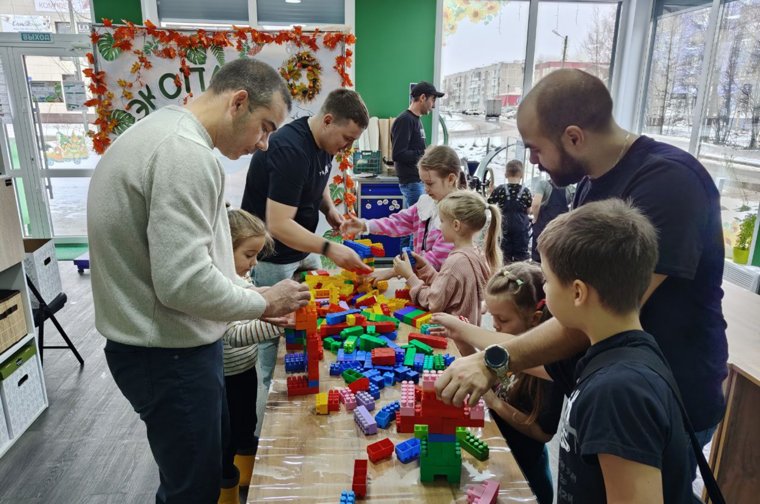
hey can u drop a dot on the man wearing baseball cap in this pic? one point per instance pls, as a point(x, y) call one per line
point(408, 139)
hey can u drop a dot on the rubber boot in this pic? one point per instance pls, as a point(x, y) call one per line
point(244, 463)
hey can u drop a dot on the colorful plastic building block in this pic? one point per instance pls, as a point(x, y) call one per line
point(387, 414)
point(408, 252)
point(366, 400)
point(471, 444)
point(365, 421)
point(347, 398)
point(486, 492)
point(408, 450)
point(347, 497)
point(359, 483)
point(333, 400)
point(321, 403)
point(380, 450)
point(431, 341)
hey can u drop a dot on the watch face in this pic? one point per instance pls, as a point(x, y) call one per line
point(496, 357)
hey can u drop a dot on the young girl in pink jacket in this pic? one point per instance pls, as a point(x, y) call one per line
point(441, 173)
point(459, 288)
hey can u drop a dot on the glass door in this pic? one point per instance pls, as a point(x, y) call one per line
point(45, 142)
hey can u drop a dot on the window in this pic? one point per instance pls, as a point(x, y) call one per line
point(43, 15)
point(483, 59)
point(724, 132)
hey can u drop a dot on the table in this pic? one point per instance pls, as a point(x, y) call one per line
point(735, 454)
point(304, 457)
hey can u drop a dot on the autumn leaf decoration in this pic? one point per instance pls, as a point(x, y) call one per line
point(144, 43)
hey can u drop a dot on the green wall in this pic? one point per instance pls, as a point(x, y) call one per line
point(116, 10)
point(395, 45)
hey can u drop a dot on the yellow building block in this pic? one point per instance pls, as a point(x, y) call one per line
point(321, 403)
point(382, 285)
point(351, 319)
point(423, 320)
point(364, 241)
point(396, 303)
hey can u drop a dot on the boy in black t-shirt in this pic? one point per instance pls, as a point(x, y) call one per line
point(622, 437)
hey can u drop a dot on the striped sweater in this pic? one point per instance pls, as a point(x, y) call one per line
point(413, 220)
point(458, 289)
point(240, 342)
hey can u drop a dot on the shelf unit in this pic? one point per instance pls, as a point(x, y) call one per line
point(13, 277)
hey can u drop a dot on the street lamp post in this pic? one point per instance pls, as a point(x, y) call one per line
point(564, 46)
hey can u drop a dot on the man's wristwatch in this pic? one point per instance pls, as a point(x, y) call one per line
point(496, 359)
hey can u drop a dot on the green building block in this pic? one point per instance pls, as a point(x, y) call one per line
point(438, 363)
point(368, 342)
point(327, 343)
point(420, 431)
point(335, 346)
point(352, 331)
point(371, 329)
point(350, 344)
point(440, 459)
point(471, 444)
point(427, 365)
point(409, 317)
point(351, 375)
point(421, 347)
point(409, 357)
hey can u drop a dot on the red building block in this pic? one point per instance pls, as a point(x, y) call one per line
point(359, 385)
point(331, 330)
point(383, 357)
point(333, 400)
point(380, 450)
point(433, 341)
point(359, 483)
point(299, 385)
point(386, 310)
point(370, 301)
point(384, 327)
point(402, 294)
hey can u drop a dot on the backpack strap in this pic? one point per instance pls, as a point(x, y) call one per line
point(656, 364)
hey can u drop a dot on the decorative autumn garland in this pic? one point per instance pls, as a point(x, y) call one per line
point(292, 72)
point(170, 44)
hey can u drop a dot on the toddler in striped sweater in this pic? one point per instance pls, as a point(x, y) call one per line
point(249, 240)
point(459, 288)
point(441, 173)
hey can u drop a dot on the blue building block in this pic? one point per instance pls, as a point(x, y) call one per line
point(370, 373)
point(409, 375)
point(374, 391)
point(295, 362)
point(368, 361)
point(408, 450)
point(363, 250)
point(361, 356)
point(448, 359)
point(346, 357)
point(441, 438)
point(339, 317)
point(400, 371)
point(419, 362)
point(347, 497)
point(400, 354)
point(313, 383)
point(383, 369)
point(378, 381)
point(389, 341)
point(336, 369)
point(387, 414)
point(408, 251)
point(390, 378)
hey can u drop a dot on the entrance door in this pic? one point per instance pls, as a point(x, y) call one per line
point(44, 141)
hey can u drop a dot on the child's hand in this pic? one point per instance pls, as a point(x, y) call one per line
point(382, 274)
point(451, 325)
point(402, 266)
point(351, 226)
point(287, 321)
point(420, 261)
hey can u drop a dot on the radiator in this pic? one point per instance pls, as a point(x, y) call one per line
point(742, 275)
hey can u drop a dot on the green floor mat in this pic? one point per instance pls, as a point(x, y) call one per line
point(69, 252)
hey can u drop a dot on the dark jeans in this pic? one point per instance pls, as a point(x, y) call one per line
point(178, 393)
point(412, 193)
point(241, 392)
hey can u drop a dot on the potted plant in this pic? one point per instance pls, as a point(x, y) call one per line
point(744, 238)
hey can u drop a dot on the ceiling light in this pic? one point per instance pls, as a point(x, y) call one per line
point(293, 1)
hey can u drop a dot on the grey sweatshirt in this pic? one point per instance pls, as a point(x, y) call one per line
point(161, 259)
